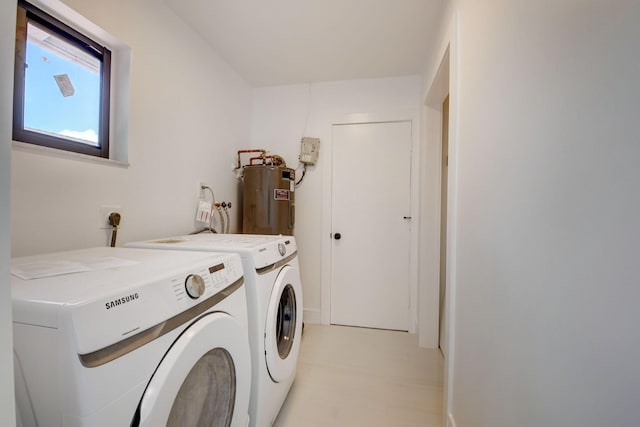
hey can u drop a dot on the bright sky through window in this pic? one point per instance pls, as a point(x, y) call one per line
point(62, 88)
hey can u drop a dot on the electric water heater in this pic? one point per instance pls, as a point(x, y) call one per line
point(268, 200)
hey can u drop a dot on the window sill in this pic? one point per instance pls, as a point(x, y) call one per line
point(120, 84)
point(52, 152)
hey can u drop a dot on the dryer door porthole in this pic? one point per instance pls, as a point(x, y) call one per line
point(283, 325)
point(208, 394)
point(205, 375)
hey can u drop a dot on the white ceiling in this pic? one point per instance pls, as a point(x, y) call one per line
point(276, 42)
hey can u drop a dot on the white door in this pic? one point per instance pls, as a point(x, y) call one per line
point(371, 225)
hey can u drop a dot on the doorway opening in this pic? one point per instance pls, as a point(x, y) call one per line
point(444, 190)
point(438, 239)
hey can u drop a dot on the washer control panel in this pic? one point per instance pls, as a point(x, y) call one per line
point(204, 282)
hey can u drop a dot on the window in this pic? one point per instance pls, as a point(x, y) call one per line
point(61, 85)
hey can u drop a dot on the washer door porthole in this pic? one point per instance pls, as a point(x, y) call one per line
point(283, 324)
point(286, 322)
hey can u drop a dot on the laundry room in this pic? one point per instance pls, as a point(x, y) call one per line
point(458, 275)
point(208, 113)
point(185, 127)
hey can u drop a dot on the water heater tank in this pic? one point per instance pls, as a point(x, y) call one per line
point(268, 200)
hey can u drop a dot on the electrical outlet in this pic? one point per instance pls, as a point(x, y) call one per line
point(105, 211)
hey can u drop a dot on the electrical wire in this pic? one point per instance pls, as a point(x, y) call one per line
point(213, 202)
point(304, 171)
point(210, 228)
point(304, 130)
point(206, 187)
point(306, 122)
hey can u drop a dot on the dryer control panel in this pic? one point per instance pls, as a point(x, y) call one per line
point(149, 305)
point(194, 285)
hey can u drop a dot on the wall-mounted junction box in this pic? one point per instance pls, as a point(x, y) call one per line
point(309, 149)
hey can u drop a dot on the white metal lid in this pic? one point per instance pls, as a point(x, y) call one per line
point(262, 250)
point(104, 305)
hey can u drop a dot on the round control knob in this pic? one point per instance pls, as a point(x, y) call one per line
point(282, 249)
point(337, 236)
point(194, 285)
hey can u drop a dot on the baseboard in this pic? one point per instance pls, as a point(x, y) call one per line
point(450, 421)
point(311, 315)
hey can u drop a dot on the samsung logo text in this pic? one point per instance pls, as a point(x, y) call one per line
point(120, 301)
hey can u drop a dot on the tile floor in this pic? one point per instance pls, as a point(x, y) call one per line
point(352, 377)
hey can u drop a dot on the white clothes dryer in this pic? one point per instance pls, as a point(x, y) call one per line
point(274, 301)
point(131, 337)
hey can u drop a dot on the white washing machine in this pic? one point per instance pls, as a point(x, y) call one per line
point(140, 338)
point(274, 301)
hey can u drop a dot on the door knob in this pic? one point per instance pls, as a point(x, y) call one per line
point(337, 236)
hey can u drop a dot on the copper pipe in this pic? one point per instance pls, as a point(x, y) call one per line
point(240, 152)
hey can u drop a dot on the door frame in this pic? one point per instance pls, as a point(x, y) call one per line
point(443, 80)
point(409, 115)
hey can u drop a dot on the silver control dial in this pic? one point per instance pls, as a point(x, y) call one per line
point(282, 249)
point(194, 285)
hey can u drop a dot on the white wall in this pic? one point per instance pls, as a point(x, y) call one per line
point(7, 38)
point(189, 113)
point(282, 115)
point(548, 235)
